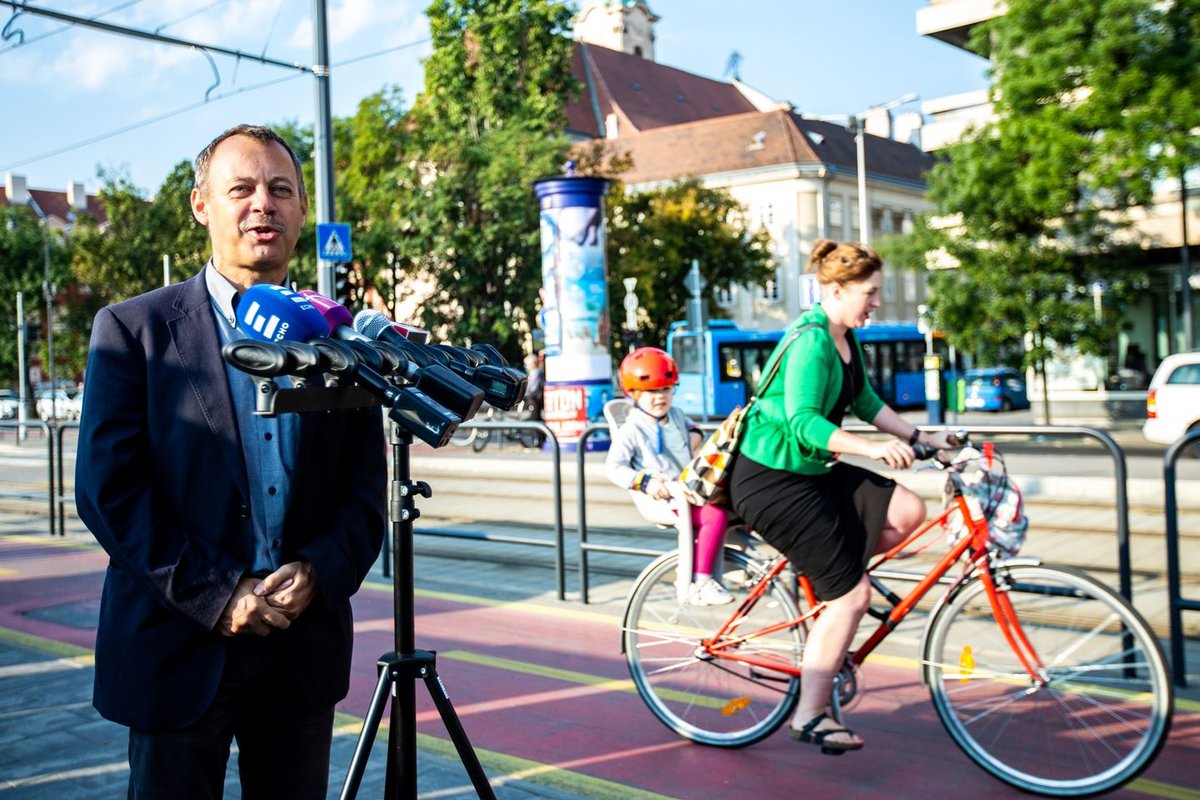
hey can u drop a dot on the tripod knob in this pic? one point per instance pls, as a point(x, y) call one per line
point(415, 487)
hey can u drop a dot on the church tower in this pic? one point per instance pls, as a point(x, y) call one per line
point(624, 25)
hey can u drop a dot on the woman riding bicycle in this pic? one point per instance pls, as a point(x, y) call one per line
point(827, 518)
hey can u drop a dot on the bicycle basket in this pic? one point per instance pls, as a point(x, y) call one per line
point(999, 499)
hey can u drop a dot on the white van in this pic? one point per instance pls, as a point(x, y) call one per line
point(1173, 399)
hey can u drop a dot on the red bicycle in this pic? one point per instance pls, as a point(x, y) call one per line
point(1043, 676)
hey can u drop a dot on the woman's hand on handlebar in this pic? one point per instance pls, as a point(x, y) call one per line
point(942, 440)
point(893, 452)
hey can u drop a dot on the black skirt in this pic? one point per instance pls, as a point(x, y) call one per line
point(827, 525)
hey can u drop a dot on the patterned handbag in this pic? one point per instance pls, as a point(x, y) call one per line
point(705, 476)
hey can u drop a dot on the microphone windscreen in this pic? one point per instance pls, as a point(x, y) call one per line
point(272, 313)
point(374, 325)
point(334, 312)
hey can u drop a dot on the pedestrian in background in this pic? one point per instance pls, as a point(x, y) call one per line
point(235, 541)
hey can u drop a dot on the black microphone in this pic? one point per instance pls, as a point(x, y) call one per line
point(501, 389)
point(402, 357)
point(408, 406)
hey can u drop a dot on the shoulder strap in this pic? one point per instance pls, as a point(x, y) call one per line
point(793, 336)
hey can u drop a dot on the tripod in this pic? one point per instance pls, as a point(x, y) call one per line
point(399, 668)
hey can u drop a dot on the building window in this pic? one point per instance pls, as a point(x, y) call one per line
point(910, 287)
point(889, 287)
point(724, 297)
point(771, 290)
point(887, 222)
point(835, 217)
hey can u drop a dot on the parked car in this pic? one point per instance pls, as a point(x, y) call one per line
point(995, 389)
point(8, 404)
point(65, 404)
point(1173, 399)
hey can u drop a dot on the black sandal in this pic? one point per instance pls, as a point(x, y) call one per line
point(810, 735)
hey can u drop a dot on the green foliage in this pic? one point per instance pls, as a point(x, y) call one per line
point(1092, 104)
point(488, 124)
point(654, 235)
point(23, 269)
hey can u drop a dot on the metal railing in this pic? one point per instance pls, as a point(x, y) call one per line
point(19, 429)
point(557, 543)
point(1120, 476)
point(585, 545)
point(1120, 473)
point(1177, 603)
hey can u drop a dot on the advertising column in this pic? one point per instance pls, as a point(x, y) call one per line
point(574, 316)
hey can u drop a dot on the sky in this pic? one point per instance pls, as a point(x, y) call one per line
point(75, 101)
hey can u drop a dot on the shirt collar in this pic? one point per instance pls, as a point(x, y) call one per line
point(223, 293)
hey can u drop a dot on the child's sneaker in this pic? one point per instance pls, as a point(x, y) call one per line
point(708, 593)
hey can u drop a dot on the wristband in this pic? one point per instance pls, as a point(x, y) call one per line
point(914, 436)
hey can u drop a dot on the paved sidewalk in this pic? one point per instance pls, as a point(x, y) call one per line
point(54, 746)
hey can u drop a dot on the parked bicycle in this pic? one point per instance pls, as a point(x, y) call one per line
point(1043, 676)
point(523, 437)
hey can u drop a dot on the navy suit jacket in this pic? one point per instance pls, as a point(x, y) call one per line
point(161, 483)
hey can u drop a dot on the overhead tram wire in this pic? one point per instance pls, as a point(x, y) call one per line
point(68, 26)
point(193, 106)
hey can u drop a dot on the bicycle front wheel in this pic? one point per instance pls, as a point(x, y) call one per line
point(722, 701)
point(1101, 710)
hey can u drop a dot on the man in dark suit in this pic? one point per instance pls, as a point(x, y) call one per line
point(235, 541)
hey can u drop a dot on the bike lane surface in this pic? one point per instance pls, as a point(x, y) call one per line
point(543, 693)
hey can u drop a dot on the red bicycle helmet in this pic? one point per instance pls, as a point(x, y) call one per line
point(648, 368)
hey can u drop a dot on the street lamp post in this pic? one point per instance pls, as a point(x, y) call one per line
point(860, 144)
point(48, 291)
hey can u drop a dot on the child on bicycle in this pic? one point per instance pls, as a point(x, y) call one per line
point(647, 455)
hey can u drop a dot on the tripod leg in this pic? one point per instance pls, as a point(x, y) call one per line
point(362, 750)
point(458, 735)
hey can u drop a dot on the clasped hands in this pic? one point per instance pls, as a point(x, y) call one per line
point(259, 605)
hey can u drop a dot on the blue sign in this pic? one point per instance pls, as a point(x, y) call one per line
point(333, 241)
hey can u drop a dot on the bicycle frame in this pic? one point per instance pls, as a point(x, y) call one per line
point(725, 644)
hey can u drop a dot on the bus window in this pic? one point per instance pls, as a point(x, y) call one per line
point(731, 363)
point(686, 351)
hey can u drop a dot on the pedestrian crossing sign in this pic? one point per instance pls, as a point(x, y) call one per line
point(333, 241)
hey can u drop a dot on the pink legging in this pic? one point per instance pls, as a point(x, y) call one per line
point(709, 522)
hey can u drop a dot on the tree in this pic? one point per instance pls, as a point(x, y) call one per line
point(1091, 105)
point(654, 236)
point(23, 269)
point(489, 122)
point(372, 175)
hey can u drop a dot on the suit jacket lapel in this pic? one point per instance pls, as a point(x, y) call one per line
point(196, 341)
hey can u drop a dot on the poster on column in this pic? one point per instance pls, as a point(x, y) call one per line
point(574, 316)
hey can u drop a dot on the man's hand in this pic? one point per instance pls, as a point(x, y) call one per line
point(247, 613)
point(289, 589)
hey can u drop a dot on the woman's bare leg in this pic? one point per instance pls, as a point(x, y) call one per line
point(825, 652)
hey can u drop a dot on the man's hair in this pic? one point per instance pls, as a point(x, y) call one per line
point(259, 133)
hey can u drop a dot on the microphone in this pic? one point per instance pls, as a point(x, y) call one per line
point(502, 389)
point(274, 313)
point(404, 357)
point(409, 407)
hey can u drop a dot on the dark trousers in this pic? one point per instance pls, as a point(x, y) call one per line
point(283, 745)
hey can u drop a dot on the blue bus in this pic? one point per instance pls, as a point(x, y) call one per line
point(719, 367)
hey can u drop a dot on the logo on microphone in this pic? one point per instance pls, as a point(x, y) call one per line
point(268, 325)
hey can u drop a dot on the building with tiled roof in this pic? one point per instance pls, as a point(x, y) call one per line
point(797, 176)
point(60, 208)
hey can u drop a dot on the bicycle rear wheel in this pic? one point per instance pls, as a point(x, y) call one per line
point(1101, 714)
point(714, 701)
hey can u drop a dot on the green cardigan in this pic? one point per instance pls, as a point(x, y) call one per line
point(788, 428)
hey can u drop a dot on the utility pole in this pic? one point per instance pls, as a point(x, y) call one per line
point(322, 126)
point(323, 141)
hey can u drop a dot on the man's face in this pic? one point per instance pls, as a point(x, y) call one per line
point(251, 205)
